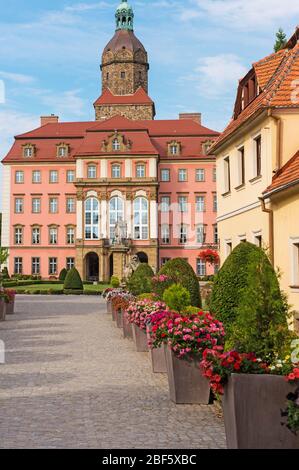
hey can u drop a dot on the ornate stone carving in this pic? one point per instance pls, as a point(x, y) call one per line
point(80, 195)
point(131, 267)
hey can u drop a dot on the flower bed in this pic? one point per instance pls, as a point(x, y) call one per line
point(140, 312)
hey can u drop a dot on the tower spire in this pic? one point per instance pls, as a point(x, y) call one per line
point(124, 16)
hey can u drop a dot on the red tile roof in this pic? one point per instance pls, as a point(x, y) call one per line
point(147, 137)
point(124, 39)
point(139, 97)
point(286, 176)
point(275, 76)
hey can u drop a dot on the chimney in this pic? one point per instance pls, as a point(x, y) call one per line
point(192, 116)
point(48, 119)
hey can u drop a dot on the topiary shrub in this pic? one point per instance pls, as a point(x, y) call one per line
point(191, 310)
point(141, 280)
point(5, 274)
point(150, 296)
point(246, 297)
point(114, 282)
point(62, 274)
point(179, 271)
point(73, 281)
point(177, 298)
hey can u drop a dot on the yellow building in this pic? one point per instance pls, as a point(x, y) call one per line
point(254, 153)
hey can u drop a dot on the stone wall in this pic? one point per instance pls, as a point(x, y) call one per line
point(134, 112)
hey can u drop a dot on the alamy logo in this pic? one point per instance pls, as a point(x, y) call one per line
point(2, 352)
point(2, 92)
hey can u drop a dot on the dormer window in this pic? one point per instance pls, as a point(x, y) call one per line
point(28, 150)
point(116, 145)
point(62, 150)
point(174, 149)
point(206, 147)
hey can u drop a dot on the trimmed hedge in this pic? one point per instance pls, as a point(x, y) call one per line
point(62, 275)
point(247, 298)
point(180, 272)
point(141, 280)
point(73, 292)
point(73, 280)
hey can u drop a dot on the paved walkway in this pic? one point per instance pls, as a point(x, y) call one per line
point(71, 381)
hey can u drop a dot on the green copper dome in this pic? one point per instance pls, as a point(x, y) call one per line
point(124, 16)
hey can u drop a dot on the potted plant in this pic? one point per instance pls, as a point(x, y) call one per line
point(209, 256)
point(10, 301)
point(2, 305)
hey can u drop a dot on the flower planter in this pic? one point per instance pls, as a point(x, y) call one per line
point(10, 308)
point(158, 360)
point(109, 306)
point(186, 382)
point(113, 314)
point(119, 318)
point(140, 338)
point(252, 407)
point(127, 328)
point(2, 310)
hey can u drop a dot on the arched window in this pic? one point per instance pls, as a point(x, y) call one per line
point(116, 214)
point(116, 144)
point(92, 219)
point(141, 218)
point(91, 171)
point(116, 171)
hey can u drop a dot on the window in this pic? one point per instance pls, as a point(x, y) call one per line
point(91, 171)
point(182, 175)
point(165, 175)
point(36, 176)
point(19, 205)
point(215, 234)
point(183, 204)
point(116, 214)
point(35, 236)
point(92, 219)
point(200, 203)
point(183, 234)
point(174, 149)
point(164, 261)
point(18, 236)
point(116, 171)
point(241, 166)
point(70, 176)
point(200, 175)
point(141, 218)
point(70, 205)
point(53, 236)
point(36, 205)
point(200, 267)
point(165, 204)
point(258, 156)
point(35, 266)
point(200, 234)
point(116, 144)
point(140, 171)
point(53, 176)
point(18, 265)
point(258, 240)
point(165, 234)
point(122, 75)
point(228, 248)
point(107, 76)
point(62, 151)
point(28, 151)
point(214, 174)
point(53, 206)
point(227, 186)
point(52, 266)
point(70, 235)
point(70, 263)
point(19, 177)
point(215, 206)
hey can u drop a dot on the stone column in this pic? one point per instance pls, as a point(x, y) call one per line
point(104, 218)
point(153, 219)
point(79, 215)
point(129, 215)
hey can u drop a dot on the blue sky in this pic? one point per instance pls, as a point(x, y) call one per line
point(50, 55)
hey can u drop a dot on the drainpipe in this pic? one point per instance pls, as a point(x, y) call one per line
point(271, 229)
point(278, 123)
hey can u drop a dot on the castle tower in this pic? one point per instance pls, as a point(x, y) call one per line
point(124, 72)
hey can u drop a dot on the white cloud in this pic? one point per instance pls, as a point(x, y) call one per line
point(66, 104)
point(79, 7)
point(253, 14)
point(17, 77)
point(217, 76)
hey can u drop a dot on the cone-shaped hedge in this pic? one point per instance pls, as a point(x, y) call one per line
point(73, 280)
point(246, 297)
point(141, 280)
point(62, 274)
point(180, 272)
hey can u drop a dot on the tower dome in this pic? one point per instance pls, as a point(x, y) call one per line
point(124, 16)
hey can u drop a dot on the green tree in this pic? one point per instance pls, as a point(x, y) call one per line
point(177, 298)
point(141, 280)
point(3, 258)
point(247, 298)
point(62, 274)
point(73, 281)
point(179, 271)
point(281, 40)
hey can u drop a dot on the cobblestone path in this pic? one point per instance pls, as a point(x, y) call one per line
point(71, 381)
